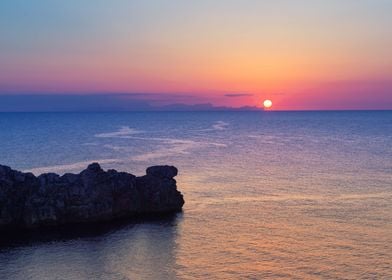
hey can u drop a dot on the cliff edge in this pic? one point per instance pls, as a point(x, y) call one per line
point(94, 195)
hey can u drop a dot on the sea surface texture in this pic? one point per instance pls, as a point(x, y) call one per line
point(281, 195)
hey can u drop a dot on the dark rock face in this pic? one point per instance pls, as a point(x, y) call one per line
point(94, 195)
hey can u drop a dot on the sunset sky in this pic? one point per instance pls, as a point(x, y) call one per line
point(302, 54)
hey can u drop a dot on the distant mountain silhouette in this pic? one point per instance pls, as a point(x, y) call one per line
point(203, 107)
point(100, 103)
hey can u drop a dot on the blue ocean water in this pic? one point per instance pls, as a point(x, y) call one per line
point(288, 195)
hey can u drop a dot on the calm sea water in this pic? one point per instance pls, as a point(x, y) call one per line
point(282, 195)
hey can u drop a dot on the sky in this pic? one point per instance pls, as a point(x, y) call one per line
point(302, 54)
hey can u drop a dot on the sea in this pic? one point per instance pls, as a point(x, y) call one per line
point(268, 195)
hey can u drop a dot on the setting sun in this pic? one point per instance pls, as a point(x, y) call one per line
point(267, 104)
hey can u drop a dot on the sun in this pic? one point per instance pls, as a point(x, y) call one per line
point(267, 104)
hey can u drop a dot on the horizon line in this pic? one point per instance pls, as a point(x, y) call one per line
point(234, 110)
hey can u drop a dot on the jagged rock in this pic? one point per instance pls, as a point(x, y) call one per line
point(94, 195)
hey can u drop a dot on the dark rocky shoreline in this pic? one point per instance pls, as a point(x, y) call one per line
point(92, 196)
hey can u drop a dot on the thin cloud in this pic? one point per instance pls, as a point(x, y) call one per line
point(238, 94)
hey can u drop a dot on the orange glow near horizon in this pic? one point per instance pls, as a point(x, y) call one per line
point(319, 56)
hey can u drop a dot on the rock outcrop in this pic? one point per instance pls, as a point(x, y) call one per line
point(94, 195)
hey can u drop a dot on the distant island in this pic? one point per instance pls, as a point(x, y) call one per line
point(103, 103)
point(94, 195)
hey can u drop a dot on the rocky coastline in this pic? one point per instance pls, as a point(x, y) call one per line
point(92, 196)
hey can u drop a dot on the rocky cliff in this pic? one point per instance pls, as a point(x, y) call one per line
point(94, 195)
